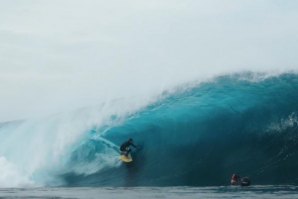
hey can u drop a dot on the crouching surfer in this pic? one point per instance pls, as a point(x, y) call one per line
point(236, 180)
point(125, 147)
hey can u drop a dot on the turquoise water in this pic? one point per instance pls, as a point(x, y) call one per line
point(200, 136)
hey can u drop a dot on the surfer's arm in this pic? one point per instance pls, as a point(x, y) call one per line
point(133, 145)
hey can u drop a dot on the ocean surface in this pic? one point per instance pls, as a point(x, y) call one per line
point(221, 192)
point(191, 140)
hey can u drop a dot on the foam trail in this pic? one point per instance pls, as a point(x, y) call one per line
point(106, 142)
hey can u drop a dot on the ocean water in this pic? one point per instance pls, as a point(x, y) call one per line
point(221, 192)
point(192, 139)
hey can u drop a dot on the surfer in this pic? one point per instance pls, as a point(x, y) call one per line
point(125, 147)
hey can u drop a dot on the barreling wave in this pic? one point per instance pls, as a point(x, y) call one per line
point(196, 136)
point(241, 123)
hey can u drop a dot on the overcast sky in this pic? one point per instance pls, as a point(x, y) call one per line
point(57, 55)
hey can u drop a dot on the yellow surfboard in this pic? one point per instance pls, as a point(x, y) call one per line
point(125, 158)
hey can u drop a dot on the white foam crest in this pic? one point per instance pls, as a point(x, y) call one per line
point(259, 76)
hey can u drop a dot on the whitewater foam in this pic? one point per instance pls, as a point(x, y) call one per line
point(11, 175)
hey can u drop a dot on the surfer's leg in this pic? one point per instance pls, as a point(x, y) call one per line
point(128, 151)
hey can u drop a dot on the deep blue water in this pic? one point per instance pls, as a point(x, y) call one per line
point(199, 136)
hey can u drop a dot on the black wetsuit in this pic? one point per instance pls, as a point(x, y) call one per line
point(125, 147)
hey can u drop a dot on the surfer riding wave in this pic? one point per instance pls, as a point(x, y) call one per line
point(125, 147)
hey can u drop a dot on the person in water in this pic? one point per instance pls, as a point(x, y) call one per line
point(125, 147)
point(235, 179)
point(245, 181)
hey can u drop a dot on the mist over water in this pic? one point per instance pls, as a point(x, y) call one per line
point(59, 56)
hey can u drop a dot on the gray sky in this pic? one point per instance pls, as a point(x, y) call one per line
point(58, 55)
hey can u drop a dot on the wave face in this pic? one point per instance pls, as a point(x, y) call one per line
point(242, 124)
point(198, 136)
